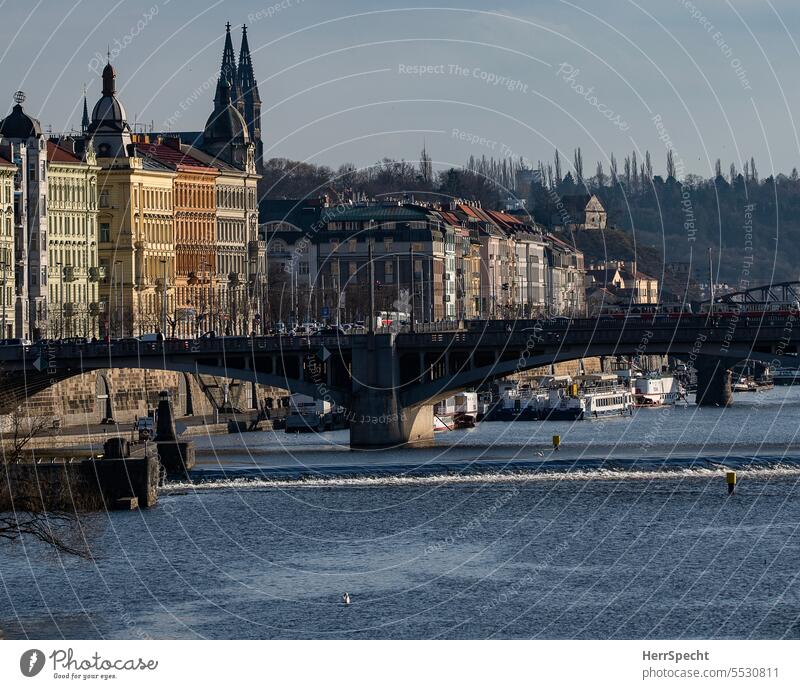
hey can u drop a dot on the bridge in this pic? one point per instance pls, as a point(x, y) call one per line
point(387, 382)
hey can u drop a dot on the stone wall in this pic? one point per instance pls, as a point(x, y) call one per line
point(125, 394)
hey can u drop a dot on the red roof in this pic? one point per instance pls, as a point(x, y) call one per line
point(59, 154)
point(171, 156)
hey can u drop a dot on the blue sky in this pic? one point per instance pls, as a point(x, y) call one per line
point(341, 81)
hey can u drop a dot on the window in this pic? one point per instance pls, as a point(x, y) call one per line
point(353, 268)
point(388, 243)
point(105, 232)
point(352, 245)
point(104, 199)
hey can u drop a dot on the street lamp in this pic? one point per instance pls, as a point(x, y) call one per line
point(5, 268)
point(116, 286)
point(61, 299)
point(163, 262)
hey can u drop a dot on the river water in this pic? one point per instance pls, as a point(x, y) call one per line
point(625, 532)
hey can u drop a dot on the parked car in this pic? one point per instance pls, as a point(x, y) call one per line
point(15, 342)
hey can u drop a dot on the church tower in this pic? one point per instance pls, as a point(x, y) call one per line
point(250, 100)
point(228, 72)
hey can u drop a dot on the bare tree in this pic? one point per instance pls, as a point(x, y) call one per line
point(28, 516)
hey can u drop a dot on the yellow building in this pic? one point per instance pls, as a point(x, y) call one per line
point(72, 279)
point(137, 249)
point(135, 224)
point(7, 172)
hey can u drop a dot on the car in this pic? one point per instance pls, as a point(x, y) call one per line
point(151, 337)
point(15, 342)
point(332, 330)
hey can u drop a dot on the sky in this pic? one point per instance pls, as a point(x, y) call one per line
point(352, 81)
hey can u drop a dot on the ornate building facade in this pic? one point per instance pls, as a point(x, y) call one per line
point(27, 149)
point(135, 224)
point(73, 275)
point(8, 172)
point(194, 206)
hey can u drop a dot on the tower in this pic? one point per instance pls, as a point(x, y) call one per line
point(28, 150)
point(227, 72)
point(85, 122)
point(251, 101)
point(109, 126)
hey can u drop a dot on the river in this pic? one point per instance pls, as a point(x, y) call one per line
point(625, 532)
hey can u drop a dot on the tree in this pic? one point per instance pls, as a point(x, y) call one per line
point(671, 165)
point(578, 159)
point(27, 516)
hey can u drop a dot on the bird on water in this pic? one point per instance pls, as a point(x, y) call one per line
point(346, 598)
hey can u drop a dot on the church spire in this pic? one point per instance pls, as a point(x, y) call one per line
point(245, 76)
point(227, 72)
point(251, 101)
point(85, 120)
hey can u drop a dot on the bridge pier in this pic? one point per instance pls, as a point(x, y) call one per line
point(713, 382)
point(377, 416)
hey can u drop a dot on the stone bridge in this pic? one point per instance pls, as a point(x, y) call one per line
point(387, 382)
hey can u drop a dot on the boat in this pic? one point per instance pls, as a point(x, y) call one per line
point(443, 413)
point(605, 395)
point(786, 376)
point(744, 384)
point(562, 405)
point(657, 389)
point(466, 409)
point(308, 415)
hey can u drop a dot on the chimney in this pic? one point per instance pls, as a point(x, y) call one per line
point(173, 142)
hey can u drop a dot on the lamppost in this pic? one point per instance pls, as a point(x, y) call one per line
point(61, 300)
point(163, 262)
point(116, 286)
point(5, 267)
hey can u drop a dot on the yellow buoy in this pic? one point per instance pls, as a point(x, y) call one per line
point(556, 441)
point(730, 478)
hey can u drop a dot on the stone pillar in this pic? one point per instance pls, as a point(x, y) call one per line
point(377, 417)
point(713, 382)
point(176, 457)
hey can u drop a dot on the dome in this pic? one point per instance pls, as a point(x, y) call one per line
point(226, 124)
point(18, 125)
point(108, 109)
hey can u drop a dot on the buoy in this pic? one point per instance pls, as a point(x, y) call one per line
point(730, 478)
point(556, 441)
point(346, 598)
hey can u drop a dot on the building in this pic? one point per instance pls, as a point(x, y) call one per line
point(580, 212)
point(408, 251)
point(22, 136)
point(226, 143)
point(194, 234)
point(136, 243)
point(565, 279)
point(294, 291)
point(618, 282)
point(8, 173)
point(73, 275)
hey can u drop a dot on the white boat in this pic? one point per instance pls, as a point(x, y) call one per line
point(307, 414)
point(656, 390)
point(466, 409)
point(443, 413)
point(744, 384)
point(604, 395)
